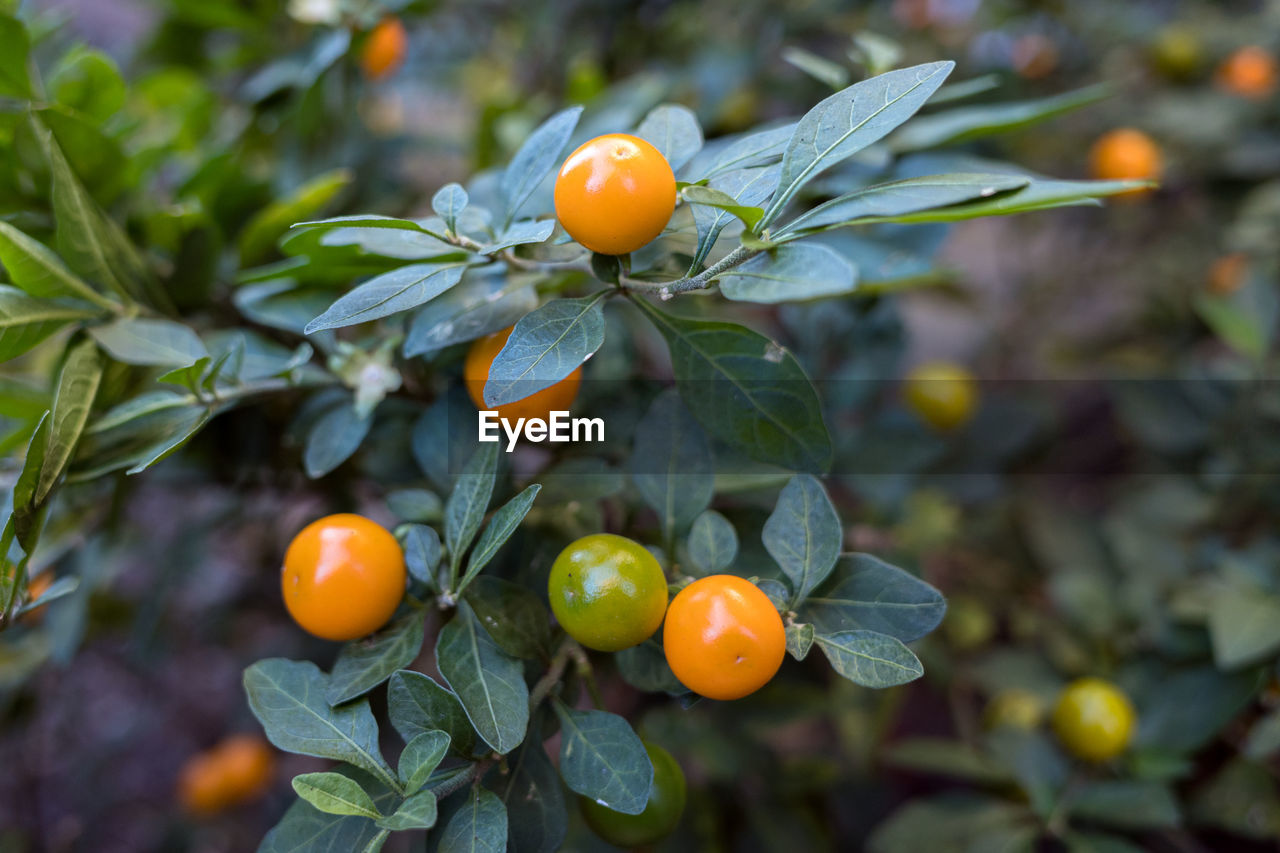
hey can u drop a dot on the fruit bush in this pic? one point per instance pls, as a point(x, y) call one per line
point(219, 281)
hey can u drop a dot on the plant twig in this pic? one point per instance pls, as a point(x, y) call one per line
point(554, 673)
point(588, 675)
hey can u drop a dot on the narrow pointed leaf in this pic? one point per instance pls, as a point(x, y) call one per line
point(544, 347)
point(488, 682)
point(499, 530)
point(539, 154)
point(390, 293)
point(673, 130)
point(364, 664)
point(870, 659)
point(603, 759)
point(803, 535)
point(333, 793)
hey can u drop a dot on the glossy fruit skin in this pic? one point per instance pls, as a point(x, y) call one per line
point(607, 592)
point(1094, 720)
point(1250, 72)
point(943, 394)
point(1126, 154)
point(343, 577)
point(615, 193)
point(384, 49)
point(475, 373)
point(660, 816)
point(724, 638)
point(235, 771)
point(1014, 708)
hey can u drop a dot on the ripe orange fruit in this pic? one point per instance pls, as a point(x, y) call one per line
point(384, 49)
point(615, 193)
point(607, 592)
point(723, 637)
point(475, 371)
point(343, 577)
point(1227, 273)
point(1250, 72)
point(1126, 154)
point(37, 587)
point(234, 771)
point(1094, 720)
point(943, 394)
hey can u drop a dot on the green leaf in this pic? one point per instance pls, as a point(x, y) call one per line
point(87, 240)
point(961, 821)
point(1126, 804)
point(943, 757)
point(501, 526)
point(15, 50)
point(260, 234)
point(531, 791)
point(142, 341)
point(897, 198)
point(1038, 195)
point(751, 150)
point(749, 188)
point(713, 543)
point(545, 347)
point(1238, 323)
point(187, 377)
point(1241, 798)
point(803, 535)
point(870, 659)
point(287, 697)
point(364, 664)
point(417, 704)
point(671, 463)
point(514, 617)
point(25, 321)
point(1040, 769)
point(1264, 737)
point(825, 71)
point(333, 438)
point(77, 387)
point(673, 130)
point(416, 505)
point(448, 202)
point(746, 390)
point(485, 301)
point(27, 518)
point(522, 233)
point(421, 756)
point(488, 682)
point(645, 668)
point(304, 828)
point(416, 812)
point(466, 506)
point(790, 274)
point(1244, 626)
point(390, 293)
point(333, 793)
point(711, 197)
point(88, 81)
point(480, 826)
point(799, 640)
point(422, 552)
point(864, 592)
point(966, 123)
point(849, 121)
point(602, 759)
point(34, 267)
point(1184, 710)
point(182, 432)
point(535, 158)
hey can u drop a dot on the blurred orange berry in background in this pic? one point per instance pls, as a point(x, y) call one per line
point(1250, 72)
point(1227, 273)
point(1126, 154)
point(235, 771)
point(384, 49)
point(1035, 56)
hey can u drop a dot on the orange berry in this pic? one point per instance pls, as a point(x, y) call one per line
point(1250, 72)
point(1227, 273)
point(615, 193)
point(235, 771)
point(343, 577)
point(723, 637)
point(1035, 56)
point(37, 587)
point(475, 371)
point(384, 49)
point(1126, 154)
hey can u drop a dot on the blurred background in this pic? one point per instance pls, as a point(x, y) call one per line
point(1113, 508)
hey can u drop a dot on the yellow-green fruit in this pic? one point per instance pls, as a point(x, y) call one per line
point(1094, 720)
point(1014, 708)
point(1177, 53)
point(969, 624)
point(943, 394)
point(660, 816)
point(607, 592)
